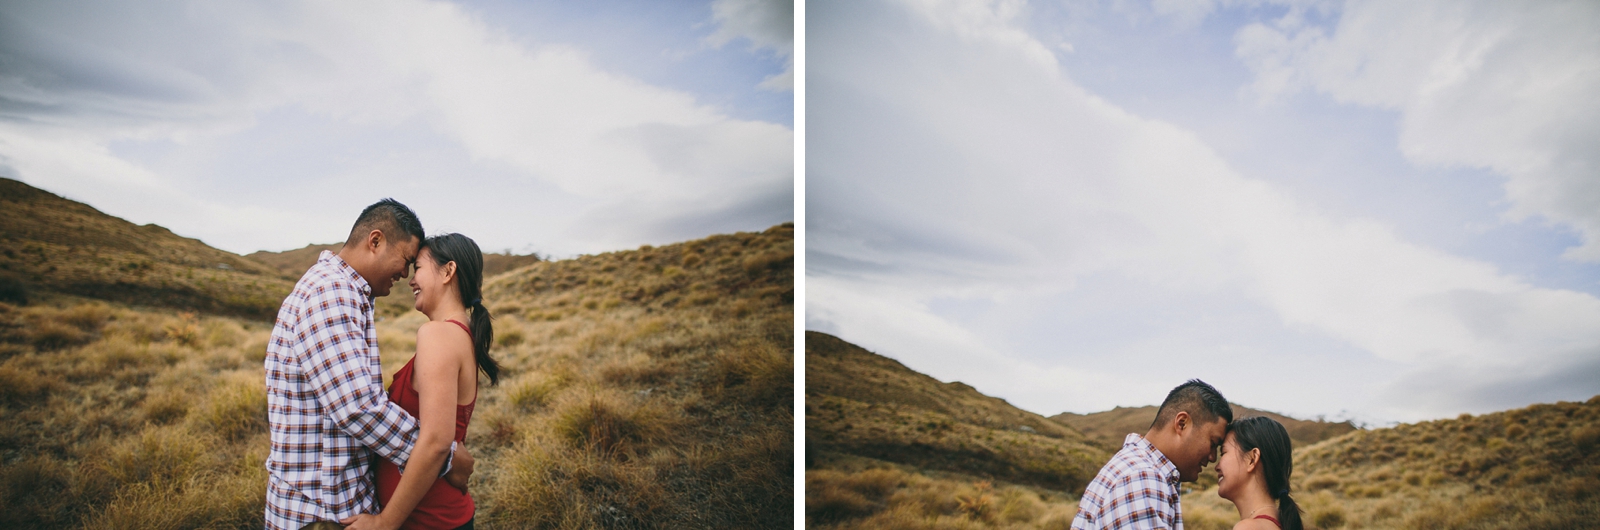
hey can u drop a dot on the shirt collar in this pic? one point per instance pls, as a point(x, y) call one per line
point(338, 263)
point(1166, 467)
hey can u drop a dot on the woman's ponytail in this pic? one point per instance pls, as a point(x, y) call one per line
point(461, 249)
point(482, 337)
point(1289, 512)
point(1277, 462)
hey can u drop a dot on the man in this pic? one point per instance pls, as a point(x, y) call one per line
point(326, 405)
point(1139, 487)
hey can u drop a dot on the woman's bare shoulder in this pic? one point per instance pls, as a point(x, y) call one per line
point(1254, 524)
point(441, 336)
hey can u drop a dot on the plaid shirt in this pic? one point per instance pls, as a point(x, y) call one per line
point(325, 401)
point(1138, 488)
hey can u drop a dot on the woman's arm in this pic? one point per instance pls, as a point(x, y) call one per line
point(435, 375)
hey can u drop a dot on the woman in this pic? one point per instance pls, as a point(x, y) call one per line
point(1253, 472)
point(439, 386)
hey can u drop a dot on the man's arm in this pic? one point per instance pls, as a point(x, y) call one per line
point(338, 367)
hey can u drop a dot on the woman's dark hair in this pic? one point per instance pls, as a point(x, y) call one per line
point(1277, 461)
point(446, 248)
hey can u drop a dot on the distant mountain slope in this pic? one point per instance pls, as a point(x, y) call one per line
point(863, 404)
point(55, 245)
point(1109, 427)
point(293, 263)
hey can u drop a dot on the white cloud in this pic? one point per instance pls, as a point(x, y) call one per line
point(767, 24)
point(959, 163)
point(1502, 85)
point(204, 72)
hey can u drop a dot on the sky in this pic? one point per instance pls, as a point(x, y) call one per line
point(561, 128)
point(1367, 210)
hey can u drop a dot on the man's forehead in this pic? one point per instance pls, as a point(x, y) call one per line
point(1217, 430)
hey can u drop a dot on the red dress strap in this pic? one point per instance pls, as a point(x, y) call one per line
point(1269, 518)
point(463, 326)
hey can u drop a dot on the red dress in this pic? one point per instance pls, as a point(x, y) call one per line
point(443, 506)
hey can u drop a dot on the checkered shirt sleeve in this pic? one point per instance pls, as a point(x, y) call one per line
point(326, 407)
point(1137, 489)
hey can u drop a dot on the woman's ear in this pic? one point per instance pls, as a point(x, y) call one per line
point(1253, 459)
point(449, 272)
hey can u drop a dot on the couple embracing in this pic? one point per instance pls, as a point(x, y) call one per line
point(1194, 426)
point(343, 450)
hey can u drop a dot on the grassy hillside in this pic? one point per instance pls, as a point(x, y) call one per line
point(56, 246)
point(651, 388)
point(642, 389)
point(891, 446)
point(1535, 467)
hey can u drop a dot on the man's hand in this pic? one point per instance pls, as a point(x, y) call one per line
point(369, 521)
point(460, 469)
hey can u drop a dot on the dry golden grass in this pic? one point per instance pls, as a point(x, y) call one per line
point(643, 389)
point(853, 492)
point(140, 421)
point(665, 403)
point(1534, 467)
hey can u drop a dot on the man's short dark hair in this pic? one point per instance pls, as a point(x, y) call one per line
point(1200, 400)
point(387, 216)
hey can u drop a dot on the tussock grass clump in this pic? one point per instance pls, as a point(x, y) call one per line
point(611, 424)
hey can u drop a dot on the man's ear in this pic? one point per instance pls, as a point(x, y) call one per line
point(1181, 421)
point(374, 240)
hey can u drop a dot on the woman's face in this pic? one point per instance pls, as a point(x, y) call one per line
point(1232, 465)
point(428, 284)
